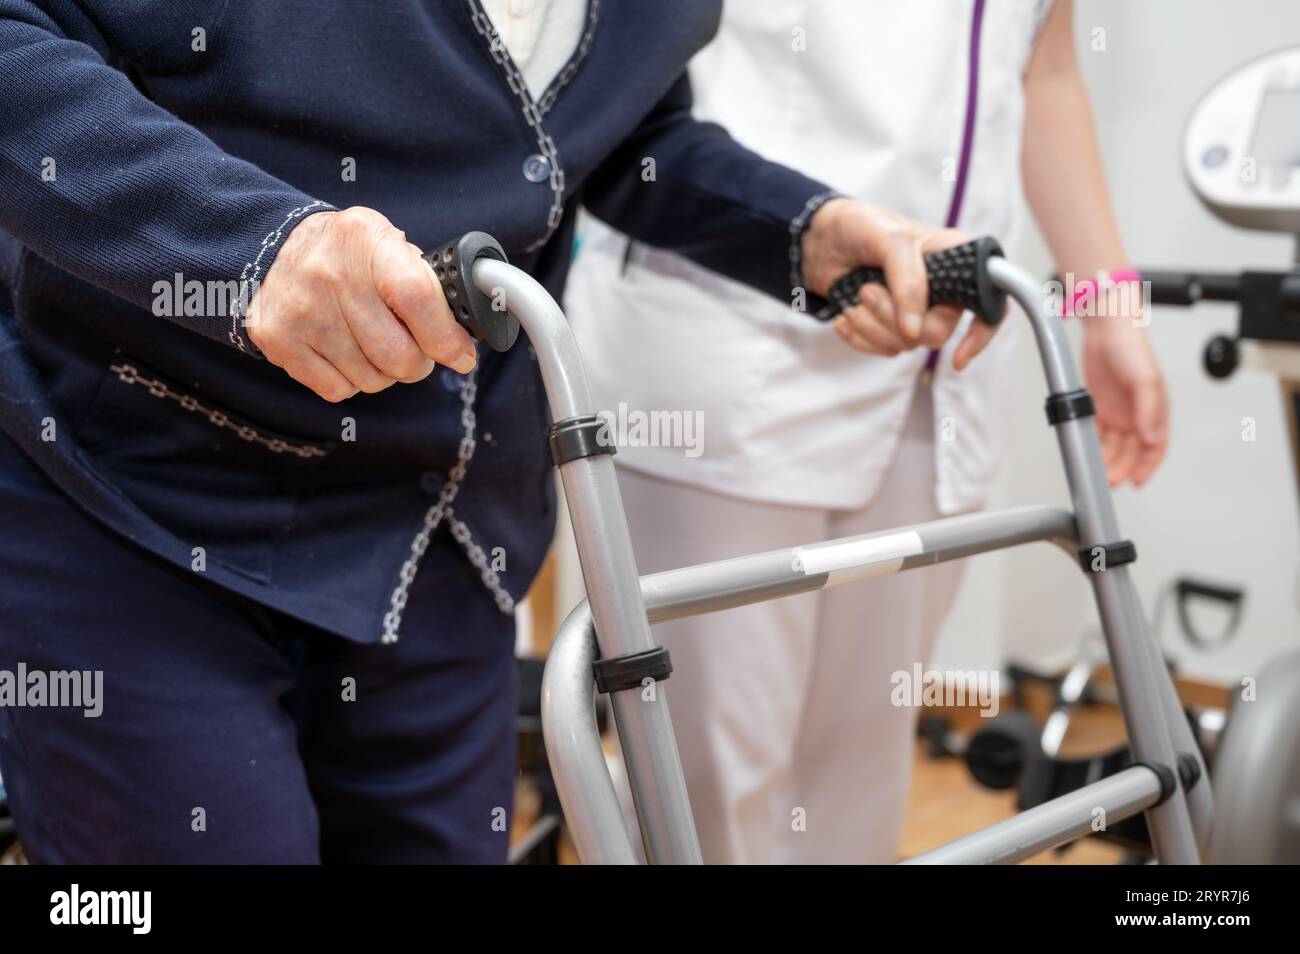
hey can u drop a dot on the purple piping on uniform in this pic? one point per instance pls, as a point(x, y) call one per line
point(967, 135)
point(968, 132)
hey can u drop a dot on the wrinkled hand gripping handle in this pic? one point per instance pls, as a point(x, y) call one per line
point(486, 319)
point(957, 276)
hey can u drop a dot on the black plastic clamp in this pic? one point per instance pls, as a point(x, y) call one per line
point(630, 672)
point(1168, 781)
point(1069, 405)
point(584, 436)
point(478, 314)
point(1115, 554)
point(1189, 769)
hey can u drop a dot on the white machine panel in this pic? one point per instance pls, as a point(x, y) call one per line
point(1242, 148)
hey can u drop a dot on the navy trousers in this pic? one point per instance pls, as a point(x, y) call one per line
point(230, 733)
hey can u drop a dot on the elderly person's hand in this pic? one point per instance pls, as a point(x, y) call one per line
point(349, 306)
point(844, 234)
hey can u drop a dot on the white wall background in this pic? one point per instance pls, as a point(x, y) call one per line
point(1220, 508)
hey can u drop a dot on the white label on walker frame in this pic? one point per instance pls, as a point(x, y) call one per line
point(858, 559)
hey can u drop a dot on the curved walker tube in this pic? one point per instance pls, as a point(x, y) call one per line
point(621, 605)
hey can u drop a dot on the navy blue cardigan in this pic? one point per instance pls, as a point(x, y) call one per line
point(145, 139)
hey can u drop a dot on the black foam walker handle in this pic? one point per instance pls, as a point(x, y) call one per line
point(957, 276)
point(476, 312)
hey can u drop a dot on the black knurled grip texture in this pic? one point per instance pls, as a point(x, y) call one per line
point(451, 262)
point(957, 276)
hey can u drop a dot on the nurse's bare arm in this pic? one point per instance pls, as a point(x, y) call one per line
point(350, 306)
point(1066, 187)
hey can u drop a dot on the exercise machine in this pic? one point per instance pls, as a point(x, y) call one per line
point(1242, 159)
point(606, 643)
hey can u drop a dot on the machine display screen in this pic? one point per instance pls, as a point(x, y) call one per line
point(1277, 129)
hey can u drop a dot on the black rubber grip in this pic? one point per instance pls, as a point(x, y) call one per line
point(477, 313)
point(957, 276)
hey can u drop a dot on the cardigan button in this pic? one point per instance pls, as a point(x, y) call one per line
point(537, 168)
point(431, 483)
point(450, 381)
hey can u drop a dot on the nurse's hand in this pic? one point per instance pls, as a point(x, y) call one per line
point(846, 233)
point(349, 305)
point(1129, 392)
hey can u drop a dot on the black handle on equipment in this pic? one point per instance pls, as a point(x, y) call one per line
point(477, 313)
point(957, 276)
point(1187, 288)
point(1230, 596)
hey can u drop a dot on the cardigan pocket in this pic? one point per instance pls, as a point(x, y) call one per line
point(212, 477)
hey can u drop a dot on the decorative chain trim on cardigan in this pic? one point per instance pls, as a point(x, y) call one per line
point(160, 389)
point(797, 226)
point(532, 116)
point(441, 512)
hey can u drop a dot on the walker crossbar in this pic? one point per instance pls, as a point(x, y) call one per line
point(568, 712)
point(621, 607)
point(1053, 823)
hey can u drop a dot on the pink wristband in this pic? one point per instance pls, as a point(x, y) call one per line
point(1086, 290)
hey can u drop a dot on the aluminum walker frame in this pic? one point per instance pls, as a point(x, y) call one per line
point(609, 634)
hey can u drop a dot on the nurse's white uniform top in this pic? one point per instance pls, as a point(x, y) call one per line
point(871, 98)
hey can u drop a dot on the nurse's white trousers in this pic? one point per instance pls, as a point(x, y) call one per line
point(792, 749)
